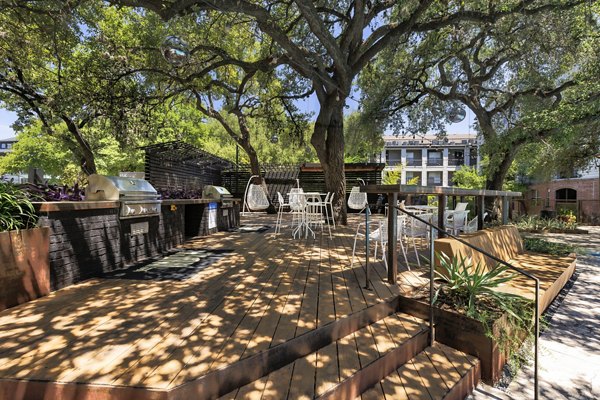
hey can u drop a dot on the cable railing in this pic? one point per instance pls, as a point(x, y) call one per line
point(433, 227)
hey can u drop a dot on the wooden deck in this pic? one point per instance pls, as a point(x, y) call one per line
point(255, 292)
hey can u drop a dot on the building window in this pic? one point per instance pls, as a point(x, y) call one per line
point(566, 195)
point(473, 156)
point(9, 145)
point(393, 157)
point(2, 145)
point(410, 175)
point(456, 157)
point(413, 158)
point(434, 178)
point(435, 158)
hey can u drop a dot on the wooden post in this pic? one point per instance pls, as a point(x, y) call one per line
point(480, 200)
point(392, 237)
point(441, 210)
point(505, 205)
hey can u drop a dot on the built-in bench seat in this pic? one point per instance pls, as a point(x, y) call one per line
point(505, 243)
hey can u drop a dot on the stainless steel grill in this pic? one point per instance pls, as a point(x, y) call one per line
point(218, 193)
point(137, 196)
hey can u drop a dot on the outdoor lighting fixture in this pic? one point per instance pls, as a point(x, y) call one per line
point(456, 114)
point(274, 138)
point(175, 51)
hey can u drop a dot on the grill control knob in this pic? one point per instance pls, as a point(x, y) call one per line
point(143, 210)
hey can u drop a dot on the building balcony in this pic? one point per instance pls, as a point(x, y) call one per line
point(456, 161)
point(434, 182)
point(435, 162)
point(414, 162)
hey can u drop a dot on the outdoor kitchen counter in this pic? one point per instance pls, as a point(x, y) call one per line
point(54, 206)
point(196, 201)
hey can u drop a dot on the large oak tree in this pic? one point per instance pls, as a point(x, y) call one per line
point(328, 43)
point(525, 79)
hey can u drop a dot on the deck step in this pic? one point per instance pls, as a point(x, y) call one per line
point(438, 372)
point(346, 367)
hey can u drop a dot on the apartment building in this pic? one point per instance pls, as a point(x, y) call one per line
point(430, 159)
point(6, 146)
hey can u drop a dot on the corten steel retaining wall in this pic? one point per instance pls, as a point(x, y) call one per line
point(88, 239)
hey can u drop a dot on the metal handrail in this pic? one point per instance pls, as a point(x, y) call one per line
point(485, 253)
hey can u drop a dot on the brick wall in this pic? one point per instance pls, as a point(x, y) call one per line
point(86, 243)
point(587, 205)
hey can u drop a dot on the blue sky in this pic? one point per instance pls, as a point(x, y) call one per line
point(6, 119)
point(311, 104)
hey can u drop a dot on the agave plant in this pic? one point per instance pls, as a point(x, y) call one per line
point(16, 210)
point(465, 284)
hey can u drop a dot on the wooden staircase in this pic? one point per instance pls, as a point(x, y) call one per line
point(383, 357)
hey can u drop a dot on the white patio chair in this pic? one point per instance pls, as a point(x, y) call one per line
point(280, 210)
point(456, 221)
point(416, 229)
point(461, 206)
point(357, 199)
point(314, 216)
point(400, 234)
point(329, 207)
point(297, 202)
point(471, 226)
point(378, 235)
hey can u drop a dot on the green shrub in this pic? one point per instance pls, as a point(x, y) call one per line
point(543, 246)
point(392, 176)
point(16, 210)
point(535, 223)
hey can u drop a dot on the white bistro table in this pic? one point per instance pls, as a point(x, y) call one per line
point(302, 205)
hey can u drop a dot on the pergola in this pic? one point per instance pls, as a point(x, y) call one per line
point(442, 193)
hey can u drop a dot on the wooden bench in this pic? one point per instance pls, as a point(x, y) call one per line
point(505, 243)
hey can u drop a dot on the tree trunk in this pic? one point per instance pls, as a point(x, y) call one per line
point(244, 142)
point(328, 141)
point(252, 156)
point(80, 147)
point(495, 180)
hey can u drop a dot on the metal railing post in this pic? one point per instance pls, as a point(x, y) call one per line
point(431, 285)
point(536, 386)
point(367, 283)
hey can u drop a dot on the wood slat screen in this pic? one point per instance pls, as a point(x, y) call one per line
point(178, 165)
point(281, 178)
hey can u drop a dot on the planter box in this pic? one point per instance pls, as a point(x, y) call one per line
point(465, 334)
point(24, 266)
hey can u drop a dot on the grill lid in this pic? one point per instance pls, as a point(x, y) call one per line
point(215, 192)
point(115, 188)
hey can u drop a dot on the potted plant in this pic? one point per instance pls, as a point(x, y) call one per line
point(24, 261)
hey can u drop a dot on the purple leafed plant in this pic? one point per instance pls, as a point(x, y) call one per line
point(180, 193)
point(49, 192)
